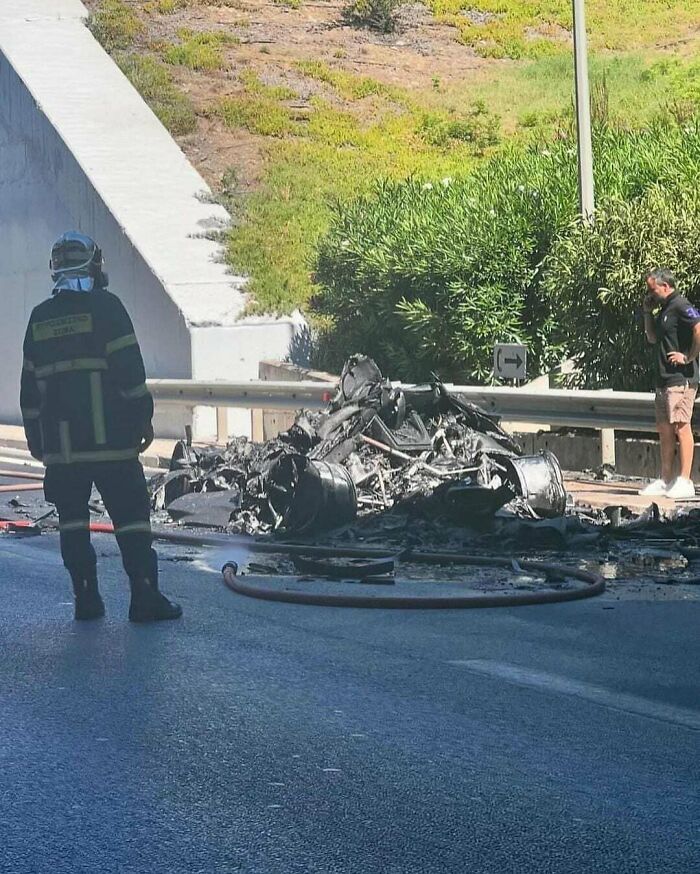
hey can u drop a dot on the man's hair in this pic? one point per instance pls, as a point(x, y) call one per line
point(663, 276)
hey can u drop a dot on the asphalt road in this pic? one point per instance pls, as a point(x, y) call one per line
point(272, 738)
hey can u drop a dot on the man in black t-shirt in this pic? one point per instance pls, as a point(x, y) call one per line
point(672, 323)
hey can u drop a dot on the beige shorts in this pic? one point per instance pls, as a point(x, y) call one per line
point(674, 405)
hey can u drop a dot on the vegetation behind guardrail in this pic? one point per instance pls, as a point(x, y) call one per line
point(428, 277)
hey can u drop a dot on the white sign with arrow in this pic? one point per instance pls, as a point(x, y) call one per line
point(510, 361)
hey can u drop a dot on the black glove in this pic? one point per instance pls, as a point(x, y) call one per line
point(35, 450)
point(147, 438)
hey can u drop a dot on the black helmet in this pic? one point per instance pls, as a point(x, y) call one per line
point(76, 263)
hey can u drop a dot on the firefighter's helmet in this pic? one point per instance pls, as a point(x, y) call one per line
point(76, 263)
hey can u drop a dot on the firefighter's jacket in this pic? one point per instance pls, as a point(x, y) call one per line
point(83, 395)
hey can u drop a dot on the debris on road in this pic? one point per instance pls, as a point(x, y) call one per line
point(376, 448)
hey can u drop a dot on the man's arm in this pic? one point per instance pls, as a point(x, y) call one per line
point(30, 399)
point(694, 351)
point(127, 369)
point(649, 328)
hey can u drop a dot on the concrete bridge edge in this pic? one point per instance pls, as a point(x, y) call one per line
point(79, 148)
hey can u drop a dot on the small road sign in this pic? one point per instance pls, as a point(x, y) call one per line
point(510, 361)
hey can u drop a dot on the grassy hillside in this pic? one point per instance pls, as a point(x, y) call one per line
point(285, 107)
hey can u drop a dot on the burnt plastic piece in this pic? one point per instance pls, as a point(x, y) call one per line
point(183, 456)
point(335, 420)
point(208, 509)
point(470, 500)
point(342, 451)
point(545, 533)
point(392, 406)
point(178, 481)
point(411, 436)
point(360, 379)
point(424, 399)
point(538, 479)
point(354, 569)
point(476, 418)
point(302, 435)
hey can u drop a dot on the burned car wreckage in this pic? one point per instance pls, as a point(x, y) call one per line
point(375, 448)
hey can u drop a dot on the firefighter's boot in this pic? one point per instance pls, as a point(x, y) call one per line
point(88, 602)
point(148, 603)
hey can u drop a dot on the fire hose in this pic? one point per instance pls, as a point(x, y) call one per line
point(594, 583)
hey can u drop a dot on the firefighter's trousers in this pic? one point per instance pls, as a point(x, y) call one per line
point(125, 495)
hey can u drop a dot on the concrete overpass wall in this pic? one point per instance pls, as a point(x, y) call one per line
point(80, 149)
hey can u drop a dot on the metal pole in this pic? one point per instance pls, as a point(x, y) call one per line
point(583, 114)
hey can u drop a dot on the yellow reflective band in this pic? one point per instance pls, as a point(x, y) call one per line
point(98, 410)
point(97, 455)
point(28, 365)
point(67, 366)
point(76, 525)
point(131, 394)
point(80, 323)
point(133, 528)
point(29, 413)
point(121, 343)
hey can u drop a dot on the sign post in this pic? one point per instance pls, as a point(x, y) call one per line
point(510, 361)
point(583, 113)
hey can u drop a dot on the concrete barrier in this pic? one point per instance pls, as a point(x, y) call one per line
point(634, 456)
point(80, 149)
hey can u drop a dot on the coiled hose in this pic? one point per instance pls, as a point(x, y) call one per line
point(594, 583)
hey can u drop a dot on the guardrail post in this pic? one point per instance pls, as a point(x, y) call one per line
point(607, 446)
point(222, 425)
point(607, 442)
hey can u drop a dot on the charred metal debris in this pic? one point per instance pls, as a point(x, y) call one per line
point(375, 449)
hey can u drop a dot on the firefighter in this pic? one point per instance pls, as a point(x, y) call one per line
point(87, 415)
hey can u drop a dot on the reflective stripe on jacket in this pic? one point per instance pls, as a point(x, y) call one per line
point(83, 394)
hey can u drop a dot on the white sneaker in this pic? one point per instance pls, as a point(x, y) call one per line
point(658, 488)
point(681, 488)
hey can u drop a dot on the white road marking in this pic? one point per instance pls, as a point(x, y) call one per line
point(519, 676)
point(21, 461)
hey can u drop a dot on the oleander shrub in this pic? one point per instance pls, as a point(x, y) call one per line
point(596, 273)
point(428, 276)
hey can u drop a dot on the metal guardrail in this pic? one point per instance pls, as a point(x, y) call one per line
point(256, 394)
point(600, 410)
point(567, 408)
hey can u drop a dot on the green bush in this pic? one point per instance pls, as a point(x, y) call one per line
point(479, 127)
point(596, 274)
point(429, 276)
point(374, 14)
point(115, 25)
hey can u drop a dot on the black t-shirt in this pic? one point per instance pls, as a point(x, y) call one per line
point(674, 333)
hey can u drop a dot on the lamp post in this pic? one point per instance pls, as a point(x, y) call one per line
point(583, 114)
